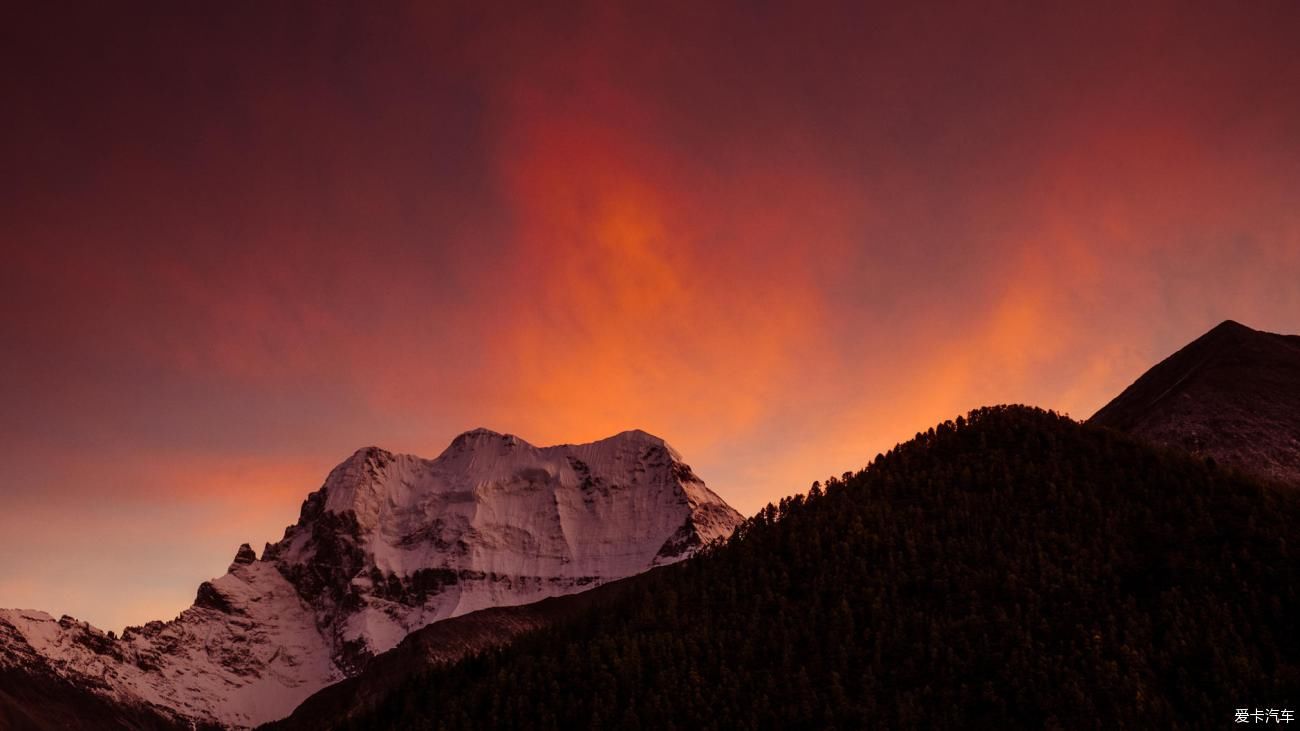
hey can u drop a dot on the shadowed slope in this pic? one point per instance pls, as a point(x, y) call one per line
point(1232, 394)
point(35, 701)
point(441, 643)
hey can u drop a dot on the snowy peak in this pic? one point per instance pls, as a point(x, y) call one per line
point(376, 485)
point(491, 521)
point(401, 503)
point(352, 480)
point(479, 439)
point(389, 544)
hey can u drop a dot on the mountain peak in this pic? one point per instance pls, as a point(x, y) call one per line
point(1232, 394)
point(638, 435)
point(1232, 325)
point(480, 437)
point(641, 438)
point(1228, 332)
point(243, 557)
point(492, 506)
point(391, 543)
point(366, 455)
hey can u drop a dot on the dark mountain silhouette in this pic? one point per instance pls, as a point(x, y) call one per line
point(1232, 395)
point(1013, 569)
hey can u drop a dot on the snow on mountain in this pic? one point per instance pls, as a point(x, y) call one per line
point(389, 544)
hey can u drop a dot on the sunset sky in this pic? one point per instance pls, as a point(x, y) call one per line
point(241, 241)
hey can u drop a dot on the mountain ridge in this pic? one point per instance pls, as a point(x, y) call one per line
point(388, 544)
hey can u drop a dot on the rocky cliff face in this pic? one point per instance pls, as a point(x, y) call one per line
point(389, 544)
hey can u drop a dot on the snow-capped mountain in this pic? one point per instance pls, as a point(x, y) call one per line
point(389, 544)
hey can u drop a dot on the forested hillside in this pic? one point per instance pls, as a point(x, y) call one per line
point(1012, 568)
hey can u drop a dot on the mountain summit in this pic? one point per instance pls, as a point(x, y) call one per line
point(389, 544)
point(1232, 394)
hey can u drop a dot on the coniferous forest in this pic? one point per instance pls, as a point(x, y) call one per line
point(1014, 568)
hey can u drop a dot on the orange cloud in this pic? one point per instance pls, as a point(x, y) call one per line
point(630, 302)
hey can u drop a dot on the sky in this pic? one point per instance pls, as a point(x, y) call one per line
point(242, 240)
